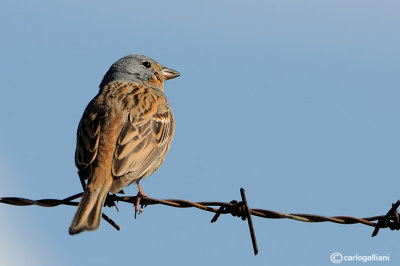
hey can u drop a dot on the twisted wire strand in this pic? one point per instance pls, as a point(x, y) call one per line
point(202, 205)
point(236, 208)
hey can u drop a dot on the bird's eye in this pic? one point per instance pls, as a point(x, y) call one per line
point(146, 64)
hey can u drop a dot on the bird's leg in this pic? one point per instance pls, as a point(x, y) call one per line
point(139, 196)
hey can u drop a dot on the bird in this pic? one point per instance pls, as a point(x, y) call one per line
point(123, 136)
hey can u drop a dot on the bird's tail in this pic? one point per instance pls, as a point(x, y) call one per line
point(88, 214)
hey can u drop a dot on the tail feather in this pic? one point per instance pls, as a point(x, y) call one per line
point(88, 214)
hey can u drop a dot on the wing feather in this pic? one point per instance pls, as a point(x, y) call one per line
point(87, 144)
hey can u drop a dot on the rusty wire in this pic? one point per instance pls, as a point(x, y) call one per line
point(236, 208)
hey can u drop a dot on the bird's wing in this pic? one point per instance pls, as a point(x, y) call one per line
point(87, 143)
point(145, 137)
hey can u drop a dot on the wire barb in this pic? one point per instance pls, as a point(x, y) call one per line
point(250, 221)
point(391, 220)
point(239, 209)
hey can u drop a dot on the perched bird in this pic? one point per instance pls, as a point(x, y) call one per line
point(123, 135)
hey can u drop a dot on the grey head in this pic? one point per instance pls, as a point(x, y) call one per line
point(141, 69)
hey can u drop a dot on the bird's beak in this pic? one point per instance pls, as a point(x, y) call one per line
point(169, 73)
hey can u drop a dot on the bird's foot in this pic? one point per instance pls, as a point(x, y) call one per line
point(139, 197)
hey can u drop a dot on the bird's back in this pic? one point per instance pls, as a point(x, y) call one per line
point(127, 127)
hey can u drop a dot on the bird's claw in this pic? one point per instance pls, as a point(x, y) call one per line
point(139, 197)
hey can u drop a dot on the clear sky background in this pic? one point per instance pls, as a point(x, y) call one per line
point(296, 101)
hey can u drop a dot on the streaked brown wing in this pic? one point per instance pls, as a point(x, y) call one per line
point(88, 136)
point(144, 139)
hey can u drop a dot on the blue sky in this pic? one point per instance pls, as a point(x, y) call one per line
point(296, 101)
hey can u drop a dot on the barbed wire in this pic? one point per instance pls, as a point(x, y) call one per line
point(236, 208)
